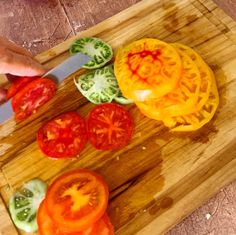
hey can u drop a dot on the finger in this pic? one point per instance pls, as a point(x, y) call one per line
point(3, 94)
point(20, 65)
point(15, 48)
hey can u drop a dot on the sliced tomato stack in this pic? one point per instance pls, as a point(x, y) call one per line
point(148, 68)
point(168, 82)
point(17, 84)
point(29, 94)
point(75, 204)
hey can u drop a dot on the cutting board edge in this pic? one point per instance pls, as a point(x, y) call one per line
point(95, 29)
point(152, 225)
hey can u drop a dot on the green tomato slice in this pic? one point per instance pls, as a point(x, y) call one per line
point(97, 49)
point(98, 86)
point(23, 204)
point(122, 100)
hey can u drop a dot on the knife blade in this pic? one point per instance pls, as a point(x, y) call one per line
point(58, 74)
point(69, 66)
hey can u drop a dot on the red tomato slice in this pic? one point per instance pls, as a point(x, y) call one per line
point(46, 226)
point(17, 84)
point(63, 136)
point(103, 227)
point(109, 126)
point(77, 199)
point(32, 96)
point(45, 223)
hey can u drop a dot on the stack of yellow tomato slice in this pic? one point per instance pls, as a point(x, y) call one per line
point(168, 82)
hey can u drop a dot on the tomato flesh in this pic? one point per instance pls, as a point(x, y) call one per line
point(45, 223)
point(103, 227)
point(17, 84)
point(32, 96)
point(46, 226)
point(76, 200)
point(63, 136)
point(109, 126)
point(147, 69)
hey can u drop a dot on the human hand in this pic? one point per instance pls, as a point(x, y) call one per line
point(16, 60)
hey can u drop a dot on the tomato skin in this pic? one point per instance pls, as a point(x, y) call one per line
point(17, 84)
point(109, 127)
point(103, 227)
point(66, 131)
point(77, 199)
point(46, 226)
point(34, 95)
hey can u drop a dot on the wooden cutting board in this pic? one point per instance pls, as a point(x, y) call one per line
point(160, 177)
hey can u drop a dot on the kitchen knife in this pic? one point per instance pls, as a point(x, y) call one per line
point(58, 74)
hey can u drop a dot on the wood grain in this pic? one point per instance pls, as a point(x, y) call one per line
point(155, 177)
point(189, 202)
point(7, 228)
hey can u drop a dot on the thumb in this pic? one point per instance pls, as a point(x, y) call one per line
point(20, 65)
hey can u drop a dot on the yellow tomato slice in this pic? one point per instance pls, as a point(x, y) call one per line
point(147, 69)
point(180, 101)
point(205, 74)
point(197, 119)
